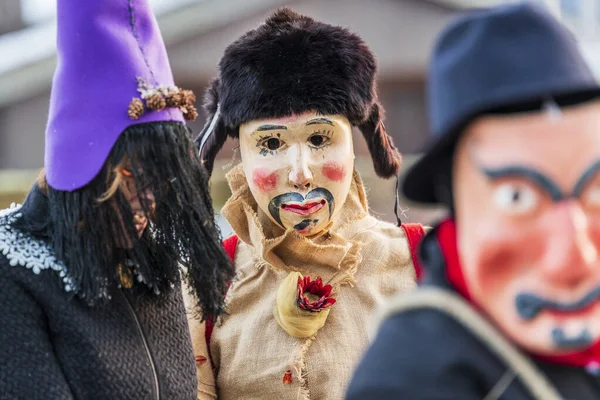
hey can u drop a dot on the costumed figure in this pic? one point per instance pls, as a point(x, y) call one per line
point(311, 262)
point(91, 264)
point(509, 308)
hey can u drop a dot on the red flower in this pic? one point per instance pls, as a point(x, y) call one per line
point(312, 295)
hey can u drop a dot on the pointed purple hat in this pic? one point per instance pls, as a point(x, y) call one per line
point(112, 72)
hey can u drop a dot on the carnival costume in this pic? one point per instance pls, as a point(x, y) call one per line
point(90, 277)
point(312, 264)
point(508, 308)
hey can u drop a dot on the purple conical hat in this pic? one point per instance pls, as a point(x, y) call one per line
point(112, 72)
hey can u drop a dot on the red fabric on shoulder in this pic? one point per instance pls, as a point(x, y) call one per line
point(414, 234)
point(446, 236)
point(229, 245)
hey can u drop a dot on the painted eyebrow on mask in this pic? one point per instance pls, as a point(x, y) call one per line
point(319, 121)
point(529, 174)
point(270, 127)
point(540, 180)
point(586, 177)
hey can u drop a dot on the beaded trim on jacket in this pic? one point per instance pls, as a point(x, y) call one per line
point(21, 249)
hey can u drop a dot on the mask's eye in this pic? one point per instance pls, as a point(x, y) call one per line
point(272, 143)
point(516, 198)
point(318, 140)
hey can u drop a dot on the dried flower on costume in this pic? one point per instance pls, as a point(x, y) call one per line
point(302, 305)
point(312, 263)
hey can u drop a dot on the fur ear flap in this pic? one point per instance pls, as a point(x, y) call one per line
point(214, 134)
point(386, 158)
point(213, 143)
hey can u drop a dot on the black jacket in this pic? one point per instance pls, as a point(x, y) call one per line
point(55, 346)
point(425, 354)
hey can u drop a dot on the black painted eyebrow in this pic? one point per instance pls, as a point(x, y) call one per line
point(585, 178)
point(535, 177)
point(269, 127)
point(318, 121)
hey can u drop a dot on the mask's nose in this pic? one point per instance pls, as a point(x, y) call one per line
point(300, 176)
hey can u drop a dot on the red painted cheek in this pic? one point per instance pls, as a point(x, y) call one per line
point(334, 171)
point(497, 260)
point(264, 180)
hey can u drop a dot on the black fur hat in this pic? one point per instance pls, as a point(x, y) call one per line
point(293, 64)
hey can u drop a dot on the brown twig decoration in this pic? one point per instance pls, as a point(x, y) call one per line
point(160, 98)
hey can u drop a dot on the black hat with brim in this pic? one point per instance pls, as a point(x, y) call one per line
point(501, 60)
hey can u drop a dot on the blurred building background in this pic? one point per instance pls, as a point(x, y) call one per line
point(400, 32)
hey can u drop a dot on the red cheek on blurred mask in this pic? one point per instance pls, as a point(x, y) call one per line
point(264, 180)
point(334, 171)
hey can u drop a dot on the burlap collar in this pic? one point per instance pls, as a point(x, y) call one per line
point(328, 253)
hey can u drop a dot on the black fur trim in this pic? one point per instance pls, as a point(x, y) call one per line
point(386, 158)
point(292, 64)
point(218, 136)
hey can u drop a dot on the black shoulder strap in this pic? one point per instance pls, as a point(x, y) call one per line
point(458, 309)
